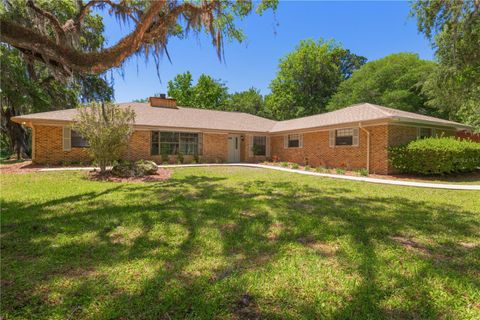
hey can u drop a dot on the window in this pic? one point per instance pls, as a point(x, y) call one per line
point(293, 141)
point(344, 137)
point(424, 133)
point(172, 143)
point(259, 147)
point(78, 141)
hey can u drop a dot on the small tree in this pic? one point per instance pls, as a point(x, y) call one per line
point(107, 128)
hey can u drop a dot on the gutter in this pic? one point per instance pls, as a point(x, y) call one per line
point(368, 145)
point(457, 126)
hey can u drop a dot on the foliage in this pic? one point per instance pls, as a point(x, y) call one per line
point(295, 166)
point(249, 101)
point(308, 77)
point(107, 129)
point(454, 30)
point(211, 240)
point(59, 35)
point(140, 168)
point(395, 81)
point(436, 156)
point(339, 171)
point(30, 86)
point(180, 158)
point(207, 93)
point(363, 172)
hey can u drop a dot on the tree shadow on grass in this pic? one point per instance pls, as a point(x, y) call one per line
point(200, 238)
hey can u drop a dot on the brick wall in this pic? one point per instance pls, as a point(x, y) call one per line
point(317, 152)
point(48, 146)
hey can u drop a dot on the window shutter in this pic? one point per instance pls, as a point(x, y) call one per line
point(250, 146)
point(300, 140)
point(267, 147)
point(67, 138)
point(331, 138)
point(285, 141)
point(200, 144)
point(355, 137)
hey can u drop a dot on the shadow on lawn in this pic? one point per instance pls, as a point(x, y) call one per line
point(255, 224)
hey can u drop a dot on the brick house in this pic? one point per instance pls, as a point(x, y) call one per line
point(353, 137)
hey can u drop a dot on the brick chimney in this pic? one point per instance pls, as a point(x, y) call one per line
point(163, 102)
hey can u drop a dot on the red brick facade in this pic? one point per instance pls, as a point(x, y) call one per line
point(316, 151)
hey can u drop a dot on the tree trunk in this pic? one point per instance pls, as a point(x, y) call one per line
point(16, 133)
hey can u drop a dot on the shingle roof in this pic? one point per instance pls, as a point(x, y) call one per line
point(357, 113)
point(192, 118)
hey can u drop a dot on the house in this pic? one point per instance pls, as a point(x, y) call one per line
point(353, 137)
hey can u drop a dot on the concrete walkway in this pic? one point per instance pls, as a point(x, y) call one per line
point(310, 173)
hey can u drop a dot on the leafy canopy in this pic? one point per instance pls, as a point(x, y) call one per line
point(54, 39)
point(454, 29)
point(308, 77)
point(395, 81)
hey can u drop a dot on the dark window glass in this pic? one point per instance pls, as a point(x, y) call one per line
point(424, 133)
point(78, 141)
point(293, 140)
point(344, 137)
point(155, 149)
point(171, 143)
point(259, 145)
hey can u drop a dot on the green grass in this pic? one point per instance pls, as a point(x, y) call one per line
point(236, 243)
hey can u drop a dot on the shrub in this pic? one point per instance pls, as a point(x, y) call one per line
point(107, 128)
point(164, 156)
point(180, 158)
point(307, 168)
point(284, 164)
point(196, 158)
point(340, 171)
point(436, 156)
point(139, 168)
point(295, 166)
point(145, 167)
point(362, 172)
point(321, 169)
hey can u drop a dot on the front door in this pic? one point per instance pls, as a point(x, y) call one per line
point(234, 148)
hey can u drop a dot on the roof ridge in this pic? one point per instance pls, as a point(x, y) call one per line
point(379, 108)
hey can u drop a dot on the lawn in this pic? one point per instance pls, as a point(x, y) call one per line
point(236, 243)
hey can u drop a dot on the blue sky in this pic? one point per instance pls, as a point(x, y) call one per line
point(371, 29)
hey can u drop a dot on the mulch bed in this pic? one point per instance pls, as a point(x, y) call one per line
point(161, 175)
point(20, 167)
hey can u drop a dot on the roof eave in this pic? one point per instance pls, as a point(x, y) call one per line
point(457, 126)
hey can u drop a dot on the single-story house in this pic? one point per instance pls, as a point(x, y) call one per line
point(353, 137)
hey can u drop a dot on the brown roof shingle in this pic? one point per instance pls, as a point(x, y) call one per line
point(192, 118)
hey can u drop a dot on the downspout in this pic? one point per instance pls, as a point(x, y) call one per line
point(368, 146)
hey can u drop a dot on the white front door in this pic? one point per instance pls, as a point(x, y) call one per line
point(233, 148)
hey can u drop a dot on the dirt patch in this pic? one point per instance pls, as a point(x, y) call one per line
point(468, 245)
point(160, 175)
point(20, 167)
point(411, 244)
point(246, 308)
point(319, 247)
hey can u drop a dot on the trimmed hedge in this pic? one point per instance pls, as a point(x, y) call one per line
point(436, 156)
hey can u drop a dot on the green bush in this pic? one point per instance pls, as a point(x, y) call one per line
point(139, 168)
point(362, 172)
point(295, 166)
point(436, 156)
point(340, 171)
point(180, 158)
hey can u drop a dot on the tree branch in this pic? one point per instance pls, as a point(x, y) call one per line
point(60, 34)
point(152, 29)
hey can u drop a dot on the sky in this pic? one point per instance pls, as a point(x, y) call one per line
point(371, 29)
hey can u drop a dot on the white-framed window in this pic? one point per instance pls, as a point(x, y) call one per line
point(294, 140)
point(344, 137)
point(424, 132)
point(172, 143)
point(259, 146)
